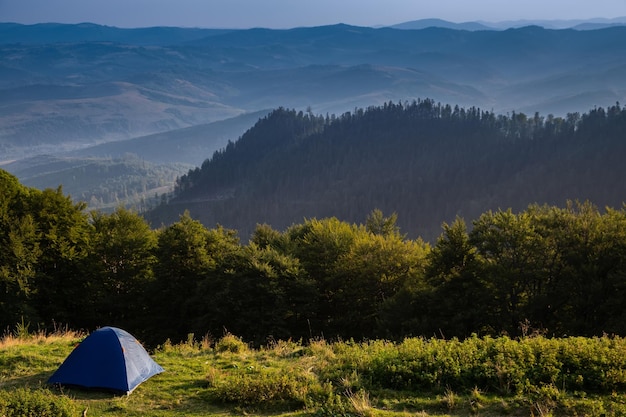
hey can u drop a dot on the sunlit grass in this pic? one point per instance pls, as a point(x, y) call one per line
point(286, 378)
point(19, 338)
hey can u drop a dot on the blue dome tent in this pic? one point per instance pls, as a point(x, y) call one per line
point(110, 359)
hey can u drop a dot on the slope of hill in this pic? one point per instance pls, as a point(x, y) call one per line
point(427, 162)
point(129, 172)
point(191, 145)
point(102, 183)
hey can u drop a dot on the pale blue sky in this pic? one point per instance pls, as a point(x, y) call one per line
point(294, 13)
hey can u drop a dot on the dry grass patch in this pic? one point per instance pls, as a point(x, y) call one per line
point(10, 339)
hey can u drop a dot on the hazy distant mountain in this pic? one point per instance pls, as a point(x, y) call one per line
point(47, 33)
point(191, 145)
point(595, 26)
point(587, 24)
point(74, 94)
point(579, 24)
point(439, 23)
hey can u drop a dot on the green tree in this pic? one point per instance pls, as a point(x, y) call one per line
point(613, 295)
point(120, 267)
point(19, 253)
point(264, 236)
point(212, 302)
point(183, 260)
point(318, 245)
point(373, 271)
point(592, 255)
point(458, 301)
point(63, 230)
point(378, 224)
point(265, 295)
point(356, 272)
point(514, 257)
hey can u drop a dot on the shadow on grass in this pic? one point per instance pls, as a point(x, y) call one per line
point(82, 393)
point(26, 381)
point(39, 381)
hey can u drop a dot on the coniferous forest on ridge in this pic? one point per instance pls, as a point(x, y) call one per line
point(533, 234)
point(425, 161)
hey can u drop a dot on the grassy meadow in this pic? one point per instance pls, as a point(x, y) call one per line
point(532, 376)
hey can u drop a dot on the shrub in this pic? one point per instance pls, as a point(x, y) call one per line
point(544, 399)
point(231, 343)
point(266, 388)
point(505, 365)
point(23, 402)
point(327, 403)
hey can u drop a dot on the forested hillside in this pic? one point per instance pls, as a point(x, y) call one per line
point(558, 271)
point(425, 161)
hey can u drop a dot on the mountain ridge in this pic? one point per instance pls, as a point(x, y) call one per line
point(577, 24)
point(46, 33)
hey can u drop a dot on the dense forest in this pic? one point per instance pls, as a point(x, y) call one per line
point(556, 270)
point(425, 161)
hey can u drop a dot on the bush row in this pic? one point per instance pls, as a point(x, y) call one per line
point(508, 366)
point(321, 371)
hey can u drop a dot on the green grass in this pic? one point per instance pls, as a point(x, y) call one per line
point(476, 377)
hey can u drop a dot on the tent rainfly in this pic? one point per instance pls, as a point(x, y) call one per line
point(110, 359)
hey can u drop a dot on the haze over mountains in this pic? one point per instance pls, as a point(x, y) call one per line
point(587, 24)
point(94, 90)
point(72, 85)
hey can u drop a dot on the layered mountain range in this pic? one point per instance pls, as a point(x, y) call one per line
point(105, 92)
point(73, 85)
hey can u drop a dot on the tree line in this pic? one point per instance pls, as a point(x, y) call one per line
point(561, 271)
